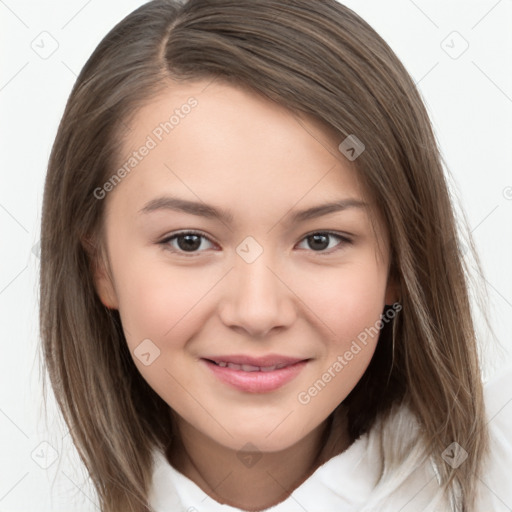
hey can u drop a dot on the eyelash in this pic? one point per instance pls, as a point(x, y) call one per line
point(166, 242)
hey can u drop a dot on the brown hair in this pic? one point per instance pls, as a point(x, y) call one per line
point(316, 57)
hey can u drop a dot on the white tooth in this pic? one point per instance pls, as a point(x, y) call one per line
point(234, 366)
point(269, 368)
point(281, 365)
point(250, 368)
point(222, 363)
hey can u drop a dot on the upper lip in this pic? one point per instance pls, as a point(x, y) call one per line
point(262, 362)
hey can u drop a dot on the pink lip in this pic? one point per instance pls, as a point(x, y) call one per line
point(256, 381)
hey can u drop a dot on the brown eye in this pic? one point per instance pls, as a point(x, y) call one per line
point(321, 241)
point(318, 242)
point(189, 242)
point(186, 242)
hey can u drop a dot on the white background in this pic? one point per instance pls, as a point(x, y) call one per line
point(469, 99)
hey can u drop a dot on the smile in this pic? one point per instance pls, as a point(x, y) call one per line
point(249, 367)
point(255, 375)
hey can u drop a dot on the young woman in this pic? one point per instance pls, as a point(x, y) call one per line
point(252, 289)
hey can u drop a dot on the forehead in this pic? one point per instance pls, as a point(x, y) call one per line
point(215, 131)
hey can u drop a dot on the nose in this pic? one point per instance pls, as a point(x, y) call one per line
point(257, 299)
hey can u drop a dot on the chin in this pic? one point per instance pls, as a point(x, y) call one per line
point(268, 438)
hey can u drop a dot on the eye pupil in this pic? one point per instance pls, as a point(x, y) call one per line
point(191, 242)
point(318, 241)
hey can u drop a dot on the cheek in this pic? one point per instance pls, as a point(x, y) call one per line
point(348, 304)
point(345, 300)
point(157, 301)
point(159, 309)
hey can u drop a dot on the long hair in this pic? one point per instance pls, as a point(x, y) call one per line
point(318, 58)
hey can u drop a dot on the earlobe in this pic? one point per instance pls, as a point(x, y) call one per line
point(102, 279)
point(105, 289)
point(392, 292)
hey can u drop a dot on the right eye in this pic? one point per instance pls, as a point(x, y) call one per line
point(185, 242)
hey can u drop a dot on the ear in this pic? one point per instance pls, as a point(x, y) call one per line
point(392, 291)
point(103, 282)
point(105, 288)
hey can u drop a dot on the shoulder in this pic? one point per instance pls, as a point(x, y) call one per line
point(163, 494)
point(494, 489)
point(498, 405)
point(498, 395)
point(415, 486)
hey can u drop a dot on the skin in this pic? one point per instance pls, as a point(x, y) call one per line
point(240, 152)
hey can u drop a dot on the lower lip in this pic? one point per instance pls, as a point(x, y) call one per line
point(256, 382)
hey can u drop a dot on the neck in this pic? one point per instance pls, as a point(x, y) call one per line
point(255, 481)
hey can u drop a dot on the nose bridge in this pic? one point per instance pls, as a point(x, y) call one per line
point(256, 279)
point(256, 283)
point(256, 299)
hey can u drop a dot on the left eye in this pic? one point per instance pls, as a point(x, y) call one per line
point(319, 242)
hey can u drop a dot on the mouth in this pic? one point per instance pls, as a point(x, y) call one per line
point(255, 375)
point(249, 367)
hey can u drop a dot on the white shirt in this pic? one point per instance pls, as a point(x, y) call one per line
point(345, 482)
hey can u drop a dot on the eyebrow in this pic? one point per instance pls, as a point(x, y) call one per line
point(205, 210)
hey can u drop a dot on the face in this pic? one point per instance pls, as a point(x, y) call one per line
point(254, 326)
